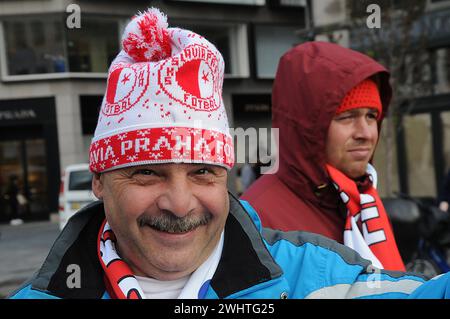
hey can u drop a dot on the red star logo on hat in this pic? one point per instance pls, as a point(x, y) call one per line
point(126, 78)
point(205, 76)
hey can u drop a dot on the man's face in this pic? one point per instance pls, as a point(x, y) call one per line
point(352, 137)
point(167, 218)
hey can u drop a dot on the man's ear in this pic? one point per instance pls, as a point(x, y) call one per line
point(97, 185)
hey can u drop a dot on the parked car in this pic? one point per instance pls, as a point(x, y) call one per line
point(75, 191)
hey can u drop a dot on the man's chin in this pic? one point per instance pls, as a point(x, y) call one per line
point(174, 267)
point(356, 171)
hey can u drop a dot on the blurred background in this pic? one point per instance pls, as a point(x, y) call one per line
point(54, 55)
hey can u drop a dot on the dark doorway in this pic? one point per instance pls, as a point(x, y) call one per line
point(29, 159)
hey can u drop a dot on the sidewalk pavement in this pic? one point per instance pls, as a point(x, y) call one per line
point(23, 249)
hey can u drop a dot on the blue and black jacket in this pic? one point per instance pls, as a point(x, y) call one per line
point(256, 262)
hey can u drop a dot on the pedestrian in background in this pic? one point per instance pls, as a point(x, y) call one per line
point(15, 200)
point(328, 103)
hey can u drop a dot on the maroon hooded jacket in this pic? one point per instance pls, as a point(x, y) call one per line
point(311, 81)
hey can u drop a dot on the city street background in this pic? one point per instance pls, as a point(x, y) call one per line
point(54, 60)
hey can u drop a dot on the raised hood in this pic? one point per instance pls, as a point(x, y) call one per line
point(311, 81)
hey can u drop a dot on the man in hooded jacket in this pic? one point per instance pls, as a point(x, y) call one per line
point(328, 103)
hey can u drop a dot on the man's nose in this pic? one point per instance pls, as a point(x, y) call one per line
point(363, 128)
point(177, 197)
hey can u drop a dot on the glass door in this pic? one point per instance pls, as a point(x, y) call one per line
point(37, 181)
point(11, 178)
point(23, 171)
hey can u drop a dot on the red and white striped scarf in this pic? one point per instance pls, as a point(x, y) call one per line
point(366, 213)
point(121, 282)
point(119, 278)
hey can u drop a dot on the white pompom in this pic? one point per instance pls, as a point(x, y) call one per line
point(146, 38)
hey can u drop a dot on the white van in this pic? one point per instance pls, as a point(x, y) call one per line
point(75, 191)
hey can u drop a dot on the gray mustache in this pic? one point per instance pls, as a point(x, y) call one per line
point(170, 223)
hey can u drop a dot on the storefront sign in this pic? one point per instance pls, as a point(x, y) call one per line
point(258, 108)
point(26, 111)
point(287, 3)
point(24, 114)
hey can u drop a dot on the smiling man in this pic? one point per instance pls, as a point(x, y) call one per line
point(165, 225)
point(167, 218)
point(330, 101)
point(160, 164)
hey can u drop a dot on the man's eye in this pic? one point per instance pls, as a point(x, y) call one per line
point(373, 116)
point(203, 171)
point(343, 117)
point(147, 172)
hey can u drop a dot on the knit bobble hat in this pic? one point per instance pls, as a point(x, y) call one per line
point(363, 95)
point(163, 100)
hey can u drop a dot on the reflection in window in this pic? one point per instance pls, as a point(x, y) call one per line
point(43, 44)
point(271, 43)
point(230, 40)
point(93, 47)
point(358, 9)
point(219, 36)
point(34, 45)
point(442, 68)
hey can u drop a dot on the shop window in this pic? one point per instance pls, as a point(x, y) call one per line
point(287, 3)
point(442, 67)
point(252, 114)
point(358, 9)
point(43, 45)
point(93, 47)
point(34, 45)
point(23, 162)
point(271, 42)
point(437, 4)
point(90, 107)
point(415, 77)
point(230, 40)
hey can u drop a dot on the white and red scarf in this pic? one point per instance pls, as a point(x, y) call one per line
point(122, 284)
point(367, 227)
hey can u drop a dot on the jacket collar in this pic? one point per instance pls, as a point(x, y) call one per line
point(245, 260)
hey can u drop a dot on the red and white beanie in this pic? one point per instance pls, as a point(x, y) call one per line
point(163, 101)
